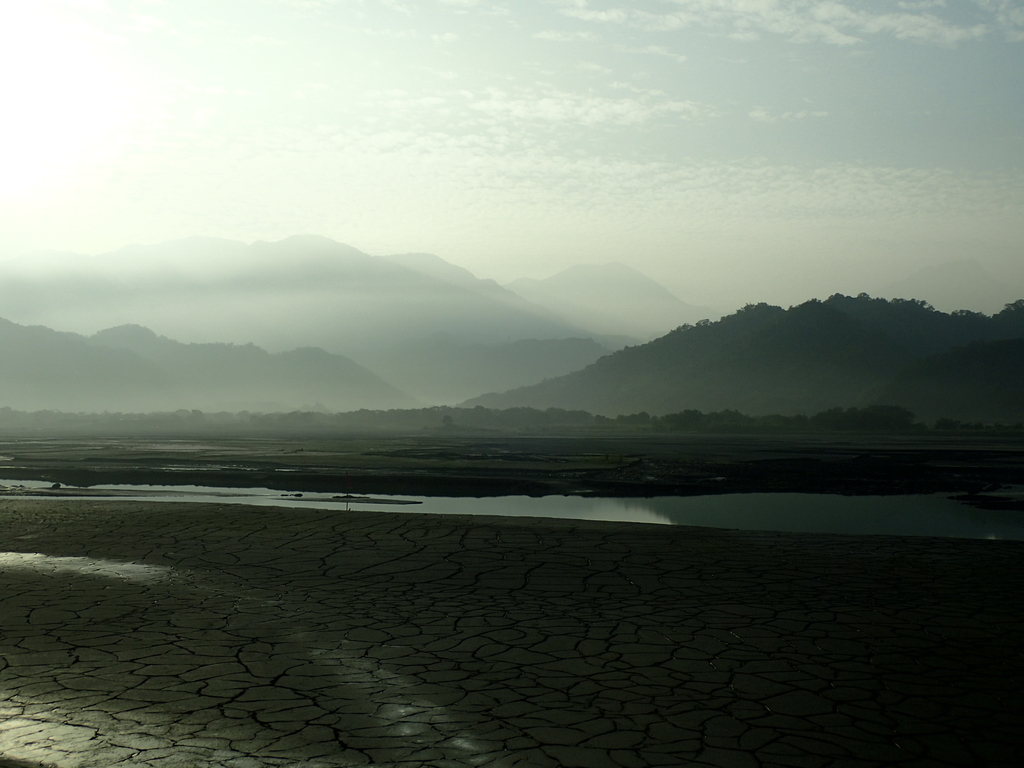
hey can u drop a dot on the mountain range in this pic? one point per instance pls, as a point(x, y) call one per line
point(432, 328)
point(308, 322)
point(308, 290)
point(298, 292)
point(130, 369)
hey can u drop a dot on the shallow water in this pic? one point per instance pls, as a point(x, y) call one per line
point(921, 515)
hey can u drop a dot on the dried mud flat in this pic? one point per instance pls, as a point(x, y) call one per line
point(195, 636)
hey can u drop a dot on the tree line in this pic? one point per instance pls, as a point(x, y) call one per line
point(455, 420)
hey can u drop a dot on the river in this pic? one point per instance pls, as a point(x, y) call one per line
point(911, 515)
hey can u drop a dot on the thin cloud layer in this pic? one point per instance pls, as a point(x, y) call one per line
point(717, 145)
point(805, 20)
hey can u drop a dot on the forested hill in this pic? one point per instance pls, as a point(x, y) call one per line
point(980, 382)
point(922, 330)
point(844, 351)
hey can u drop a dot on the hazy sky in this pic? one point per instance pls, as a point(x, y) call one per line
point(733, 149)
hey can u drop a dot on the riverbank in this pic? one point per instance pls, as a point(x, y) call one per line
point(204, 635)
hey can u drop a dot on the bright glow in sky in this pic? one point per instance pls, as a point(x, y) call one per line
point(736, 150)
point(65, 97)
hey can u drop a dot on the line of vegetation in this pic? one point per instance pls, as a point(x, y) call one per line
point(890, 419)
point(882, 419)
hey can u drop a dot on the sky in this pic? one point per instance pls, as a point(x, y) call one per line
point(735, 150)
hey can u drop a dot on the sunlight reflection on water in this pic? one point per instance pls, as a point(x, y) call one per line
point(40, 563)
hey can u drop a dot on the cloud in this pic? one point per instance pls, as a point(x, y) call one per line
point(501, 195)
point(485, 160)
point(318, 5)
point(581, 12)
point(762, 115)
point(567, 37)
point(476, 6)
point(590, 66)
point(593, 110)
point(904, 26)
point(832, 22)
point(394, 5)
point(654, 50)
point(1008, 16)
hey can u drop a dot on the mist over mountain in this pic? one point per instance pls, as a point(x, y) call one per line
point(431, 327)
point(764, 359)
point(611, 299)
point(429, 332)
point(953, 285)
point(437, 268)
point(301, 291)
point(443, 371)
point(132, 369)
point(44, 369)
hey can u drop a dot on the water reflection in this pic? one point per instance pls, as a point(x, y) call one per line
point(918, 515)
point(36, 562)
point(932, 515)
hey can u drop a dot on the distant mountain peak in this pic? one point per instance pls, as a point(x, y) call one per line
point(132, 337)
point(306, 248)
point(611, 298)
point(132, 331)
point(305, 241)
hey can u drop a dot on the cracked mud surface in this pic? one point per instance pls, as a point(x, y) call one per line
point(197, 636)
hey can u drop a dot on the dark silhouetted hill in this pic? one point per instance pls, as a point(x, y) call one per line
point(131, 369)
point(983, 381)
point(922, 330)
point(843, 352)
